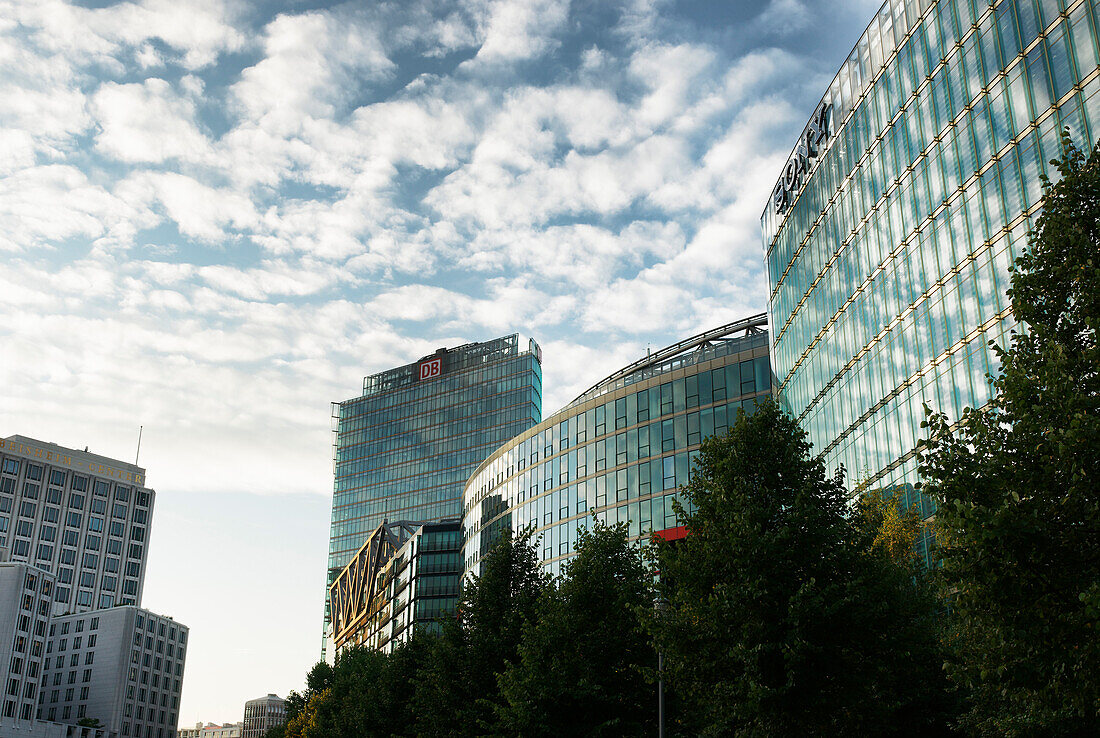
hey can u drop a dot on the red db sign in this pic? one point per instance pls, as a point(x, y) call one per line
point(431, 368)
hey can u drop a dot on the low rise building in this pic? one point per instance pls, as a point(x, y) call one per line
point(211, 730)
point(261, 714)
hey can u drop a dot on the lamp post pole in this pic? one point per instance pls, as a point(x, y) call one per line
point(661, 607)
point(660, 694)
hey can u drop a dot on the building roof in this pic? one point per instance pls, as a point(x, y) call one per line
point(81, 460)
point(752, 324)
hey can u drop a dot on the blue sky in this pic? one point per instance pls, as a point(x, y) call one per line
point(216, 217)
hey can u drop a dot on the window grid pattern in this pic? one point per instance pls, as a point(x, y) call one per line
point(890, 269)
point(90, 533)
point(621, 456)
point(30, 591)
point(405, 448)
point(123, 666)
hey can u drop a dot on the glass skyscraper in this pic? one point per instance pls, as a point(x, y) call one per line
point(892, 227)
point(405, 447)
point(621, 450)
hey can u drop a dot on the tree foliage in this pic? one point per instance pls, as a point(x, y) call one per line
point(781, 619)
point(1018, 488)
point(459, 694)
point(580, 666)
point(893, 530)
point(366, 693)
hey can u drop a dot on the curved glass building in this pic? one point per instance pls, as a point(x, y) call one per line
point(620, 450)
point(892, 227)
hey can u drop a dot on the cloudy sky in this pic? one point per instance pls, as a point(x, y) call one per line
point(216, 216)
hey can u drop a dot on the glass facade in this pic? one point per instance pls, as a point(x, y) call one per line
point(404, 579)
point(621, 450)
point(406, 446)
point(891, 231)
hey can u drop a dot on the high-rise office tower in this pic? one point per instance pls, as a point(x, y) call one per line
point(405, 446)
point(909, 193)
point(79, 524)
point(82, 516)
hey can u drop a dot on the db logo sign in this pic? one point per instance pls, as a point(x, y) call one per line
point(431, 369)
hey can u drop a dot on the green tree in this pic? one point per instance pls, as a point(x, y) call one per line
point(1018, 488)
point(458, 694)
point(581, 664)
point(892, 530)
point(366, 693)
point(781, 618)
point(300, 706)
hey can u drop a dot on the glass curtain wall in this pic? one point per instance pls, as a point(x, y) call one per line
point(889, 262)
point(620, 451)
point(404, 449)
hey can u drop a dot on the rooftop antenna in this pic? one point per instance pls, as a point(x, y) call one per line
point(138, 454)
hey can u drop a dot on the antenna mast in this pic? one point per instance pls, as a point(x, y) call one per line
point(138, 454)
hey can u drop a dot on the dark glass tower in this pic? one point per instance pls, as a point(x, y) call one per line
point(405, 447)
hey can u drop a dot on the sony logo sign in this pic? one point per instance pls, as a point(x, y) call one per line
point(809, 145)
point(431, 368)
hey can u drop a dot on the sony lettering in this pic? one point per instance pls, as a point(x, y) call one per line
point(809, 146)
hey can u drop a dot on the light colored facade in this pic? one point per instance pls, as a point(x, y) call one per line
point(621, 450)
point(210, 730)
point(122, 666)
point(43, 729)
point(81, 521)
point(261, 714)
point(892, 228)
point(25, 596)
point(82, 516)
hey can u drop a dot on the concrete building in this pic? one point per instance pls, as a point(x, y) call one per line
point(122, 666)
point(406, 445)
point(261, 714)
point(211, 730)
point(76, 524)
point(25, 596)
point(82, 516)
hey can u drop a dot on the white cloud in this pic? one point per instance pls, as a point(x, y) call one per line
point(521, 29)
point(46, 204)
point(199, 30)
point(147, 122)
point(673, 75)
point(310, 61)
point(199, 211)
